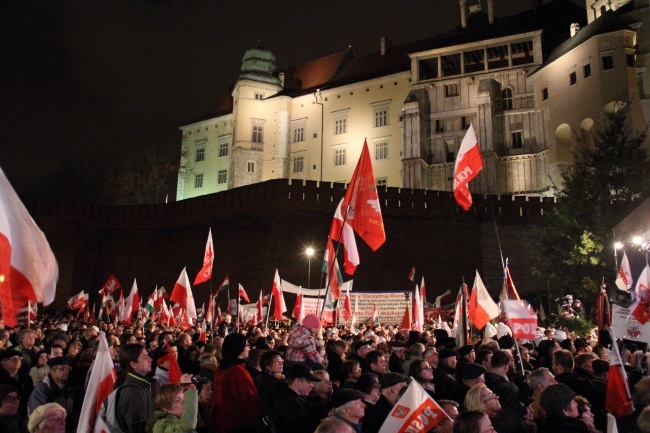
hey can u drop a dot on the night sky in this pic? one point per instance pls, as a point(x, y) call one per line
point(84, 82)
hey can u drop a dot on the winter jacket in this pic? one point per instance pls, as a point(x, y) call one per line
point(164, 422)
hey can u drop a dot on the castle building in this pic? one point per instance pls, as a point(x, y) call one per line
point(529, 83)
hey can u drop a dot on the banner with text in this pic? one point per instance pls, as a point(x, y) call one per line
point(624, 325)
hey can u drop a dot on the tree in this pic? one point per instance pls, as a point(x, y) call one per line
point(610, 176)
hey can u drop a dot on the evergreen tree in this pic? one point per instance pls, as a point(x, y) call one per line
point(610, 176)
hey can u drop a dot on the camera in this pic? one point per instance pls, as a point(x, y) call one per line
point(199, 380)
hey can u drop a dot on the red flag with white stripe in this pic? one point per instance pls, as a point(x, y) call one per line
point(28, 269)
point(208, 260)
point(182, 295)
point(481, 308)
point(343, 233)
point(278, 298)
point(299, 308)
point(259, 316)
point(619, 400)
point(243, 294)
point(468, 164)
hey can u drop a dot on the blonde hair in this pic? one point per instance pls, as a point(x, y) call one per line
point(473, 400)
point(166, 395)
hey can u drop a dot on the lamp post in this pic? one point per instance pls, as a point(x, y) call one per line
point(310, 252)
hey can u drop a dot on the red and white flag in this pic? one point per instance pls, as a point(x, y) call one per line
point(618, 401)
point(182, 295)
point(210, 313)
point(641, 308)
point(481, 308)
point(418, 311)
point(347, 307)
point(334, 279)
point(523, 322)
point(374, 319)
point(208, 260)
point(259, 316)
point(278, 298)
point(243, 295)
point(624, 275)
point(343, 233)
point(414, 412)
point(131, 305)
point(111, 285)
point(423, 291)
point(77, 301)
point(364, 213)
point(411, 275)
point(299, 308)
point(509, 290)
point(406, 320)
point(100, 385)
point(28, 269)
point(468, 165)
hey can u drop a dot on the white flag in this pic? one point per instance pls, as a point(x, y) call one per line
point(624, 275)
point(415, 412)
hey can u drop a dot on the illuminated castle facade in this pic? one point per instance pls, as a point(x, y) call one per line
point(528, 83)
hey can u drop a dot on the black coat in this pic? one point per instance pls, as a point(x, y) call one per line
point(376, 415)
point(292, 413)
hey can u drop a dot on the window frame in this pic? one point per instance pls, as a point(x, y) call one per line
point(222, 177)
point(250, 167)
point(198, 180)
point(340, 157)
point(298, 134)
point(199, 153)
point(381, 150)
point(298, 164)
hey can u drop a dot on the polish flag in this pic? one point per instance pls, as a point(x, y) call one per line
point(406, 320)
point(334, 279)
point(418, 312)
point(347, 308)
point(618, 401)
point(415, 411)
point(343, 233)
point(641, 308)
point(182, 295)
point(624, 275)
point(210, 313)
point(364, 212)
point(299, 308)
point(411, 275)
point(77, 301)
point(174, 368)
point(259, 316)
point(131, 305)
point(481, 307)
point(523, 322)
point(509, 291)
point(278, 297)
point(28, 269)
point(100, 385)
point(468, 165)
point(208, 260)
point(374, 319)
point(423, 291)
point(243, 295)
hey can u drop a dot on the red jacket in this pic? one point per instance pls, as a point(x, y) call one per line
point(235, 402)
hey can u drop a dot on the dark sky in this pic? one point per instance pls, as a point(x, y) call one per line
point(84, 82)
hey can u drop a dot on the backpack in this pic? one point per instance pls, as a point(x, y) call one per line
point(108, 412)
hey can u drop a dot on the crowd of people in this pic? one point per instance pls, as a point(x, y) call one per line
point(308, 378)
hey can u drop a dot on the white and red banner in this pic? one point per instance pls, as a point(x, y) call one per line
point(78, 301)
point(364, 213)
point(522, 321)
point(414, 412)
point(641, 308)
point(28, 268)
point(278, 298)
point(100, 385)
point(619, 400)
point(131, 305)
point(208, 260)
point(481, 307)
point(624, 275)
point(343, 233)
point(111, 285)
point(182, 295)
point(468, 164)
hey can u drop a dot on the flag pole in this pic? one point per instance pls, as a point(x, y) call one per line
point(268, 310)
point(331, 266)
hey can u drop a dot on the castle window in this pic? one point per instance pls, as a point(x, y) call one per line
point(428, 68)
point(223, 148)
point(572, 78)
point(450, 149)
point(608, 62)
point(250, 167)
point(381, 116)
point(381, 182)
point(298, 164)
point(586, 70)
point(198, 181)
point(451, 90)
point(340, 125)
point(222, 176)
point(517, 140)
point(298, 134)
point(631, 60)
point(450, 64)
point(199, 154)
point(544, 93)
point(259, 96)
point(339, 157)
point(474, 61)
point(506, 98)
point(464, 122)
point(381, 150)
point(440, 125)
point(257, 134)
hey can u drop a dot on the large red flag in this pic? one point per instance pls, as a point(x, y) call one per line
point(100, 385)
point(364, 212)
point(28, 269)
point(278, 297)
point(468, 164)
point(481, 308)
point(343, 233)
point(258, 310)
point(182, 295)
point(174, 368)
point(406, 321)
point(208, 260)
point(619, 400)
point(347, 307)
point(243, 295)
point(299, 308)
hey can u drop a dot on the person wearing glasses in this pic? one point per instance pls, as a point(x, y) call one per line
point(10, 374)
point(480, 398)
point(56, 389)
point(422, 372)
point(9, 419)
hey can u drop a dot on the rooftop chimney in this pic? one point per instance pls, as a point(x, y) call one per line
point(385, 45)
point(463, 13)
point(490, 11)
point(574, 29)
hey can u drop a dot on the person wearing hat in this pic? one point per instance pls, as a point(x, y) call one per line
point(445, 378)
point(561, 410)
point(466, 354)
point(361, 349)
point(472, 374)
point(9, 418)
point(368, 385)
point(56, 389)
point(349, 406)
point(291, 411)
point(301, 343)
point(48, 418)
point(397, 357)
point(235, 401)
point(392, 388)
point(11, 374)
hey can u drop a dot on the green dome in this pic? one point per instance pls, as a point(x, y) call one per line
point(259, 65)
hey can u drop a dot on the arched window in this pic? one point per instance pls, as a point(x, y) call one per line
point(506, 98)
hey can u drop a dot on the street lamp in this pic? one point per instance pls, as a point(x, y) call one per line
point(309, 252)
